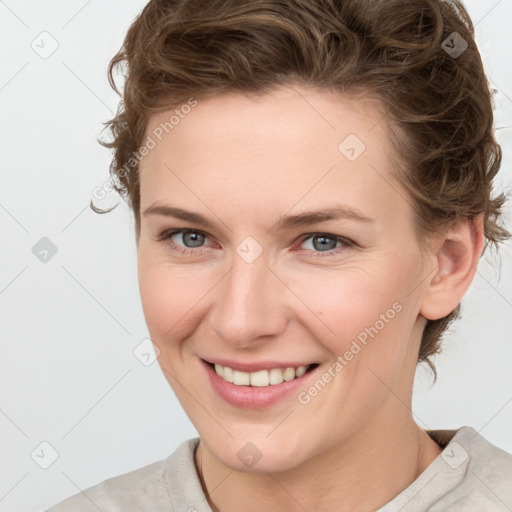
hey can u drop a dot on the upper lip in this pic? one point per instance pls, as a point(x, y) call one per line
point(256, 366)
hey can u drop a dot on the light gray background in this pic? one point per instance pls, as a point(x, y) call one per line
point(70, 325)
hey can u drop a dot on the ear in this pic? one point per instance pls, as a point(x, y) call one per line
point(455, 256)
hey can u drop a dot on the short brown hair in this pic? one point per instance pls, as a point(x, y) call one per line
point(397, 52)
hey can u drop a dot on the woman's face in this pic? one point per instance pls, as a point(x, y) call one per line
point(307, 255)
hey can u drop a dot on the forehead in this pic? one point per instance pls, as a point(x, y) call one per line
point(292, 143)
point(282, 118)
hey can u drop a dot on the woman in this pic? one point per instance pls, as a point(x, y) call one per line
point(311, 188)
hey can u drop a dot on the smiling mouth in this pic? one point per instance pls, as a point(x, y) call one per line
point(260, 378)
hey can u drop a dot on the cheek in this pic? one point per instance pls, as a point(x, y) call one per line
point(351, 305)
point(170, 298)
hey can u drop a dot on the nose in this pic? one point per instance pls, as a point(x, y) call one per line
point(250, 305)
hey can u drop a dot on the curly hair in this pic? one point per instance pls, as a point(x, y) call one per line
point(418, 59)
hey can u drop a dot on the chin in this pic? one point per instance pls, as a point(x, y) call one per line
point(255, 454)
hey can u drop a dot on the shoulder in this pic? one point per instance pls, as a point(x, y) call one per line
point(146, 488)
point(491, 465)
point(486, 479)
point(469, 475)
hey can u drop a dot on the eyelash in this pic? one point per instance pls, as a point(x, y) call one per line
point(167, 235)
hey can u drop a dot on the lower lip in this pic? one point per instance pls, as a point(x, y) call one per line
point(254, 397)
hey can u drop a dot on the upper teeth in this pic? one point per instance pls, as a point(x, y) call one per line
point(260, 378)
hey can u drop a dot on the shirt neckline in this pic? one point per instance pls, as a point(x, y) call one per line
point(186, 491)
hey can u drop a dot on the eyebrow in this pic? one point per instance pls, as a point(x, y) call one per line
point(285, 222)
point(178, 213)
point(313, 217)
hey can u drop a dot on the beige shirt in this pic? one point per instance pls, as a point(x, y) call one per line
point(470, 475)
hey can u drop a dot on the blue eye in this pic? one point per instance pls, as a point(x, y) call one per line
point(326, 243)
point(192, 241)
point(191, 238)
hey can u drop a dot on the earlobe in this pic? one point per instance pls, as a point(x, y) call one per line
point(456, 258)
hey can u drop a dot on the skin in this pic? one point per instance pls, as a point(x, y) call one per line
point(243, 163)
